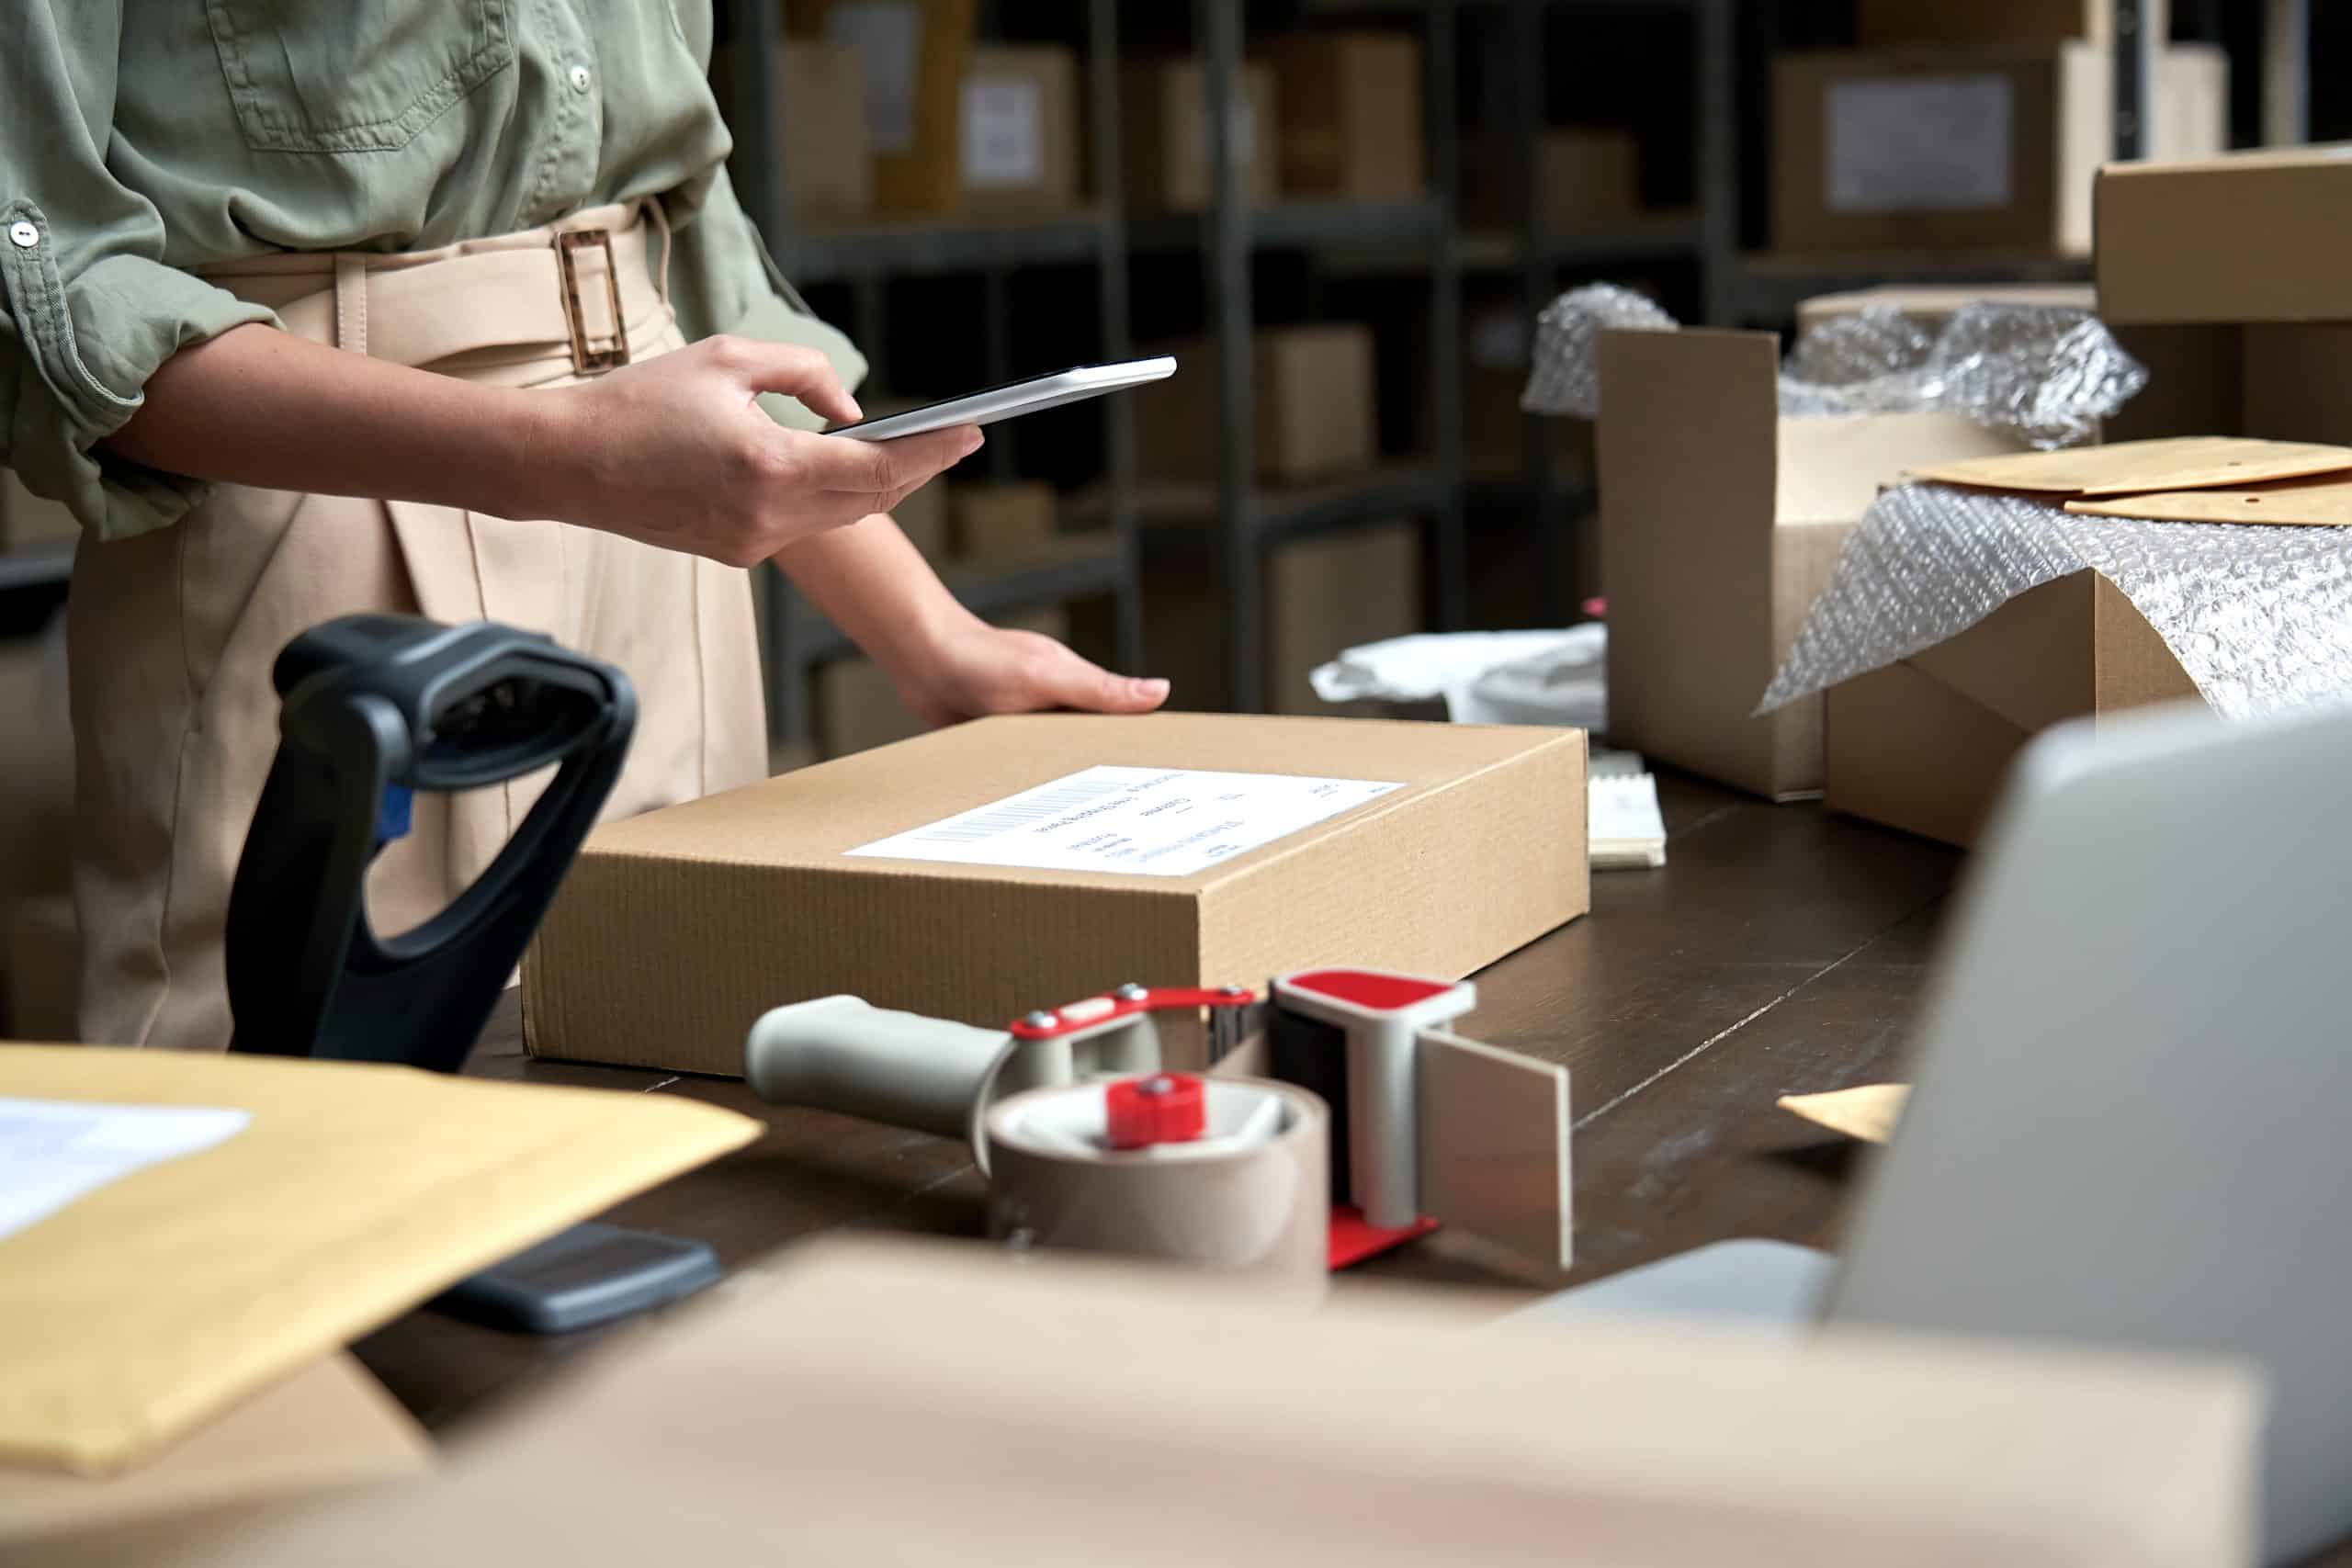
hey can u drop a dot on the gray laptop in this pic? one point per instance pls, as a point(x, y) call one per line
point(2133, 1121)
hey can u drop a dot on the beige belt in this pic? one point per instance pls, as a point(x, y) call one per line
point(579, 289)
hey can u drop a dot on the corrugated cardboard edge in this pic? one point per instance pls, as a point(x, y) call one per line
point(636, 1142)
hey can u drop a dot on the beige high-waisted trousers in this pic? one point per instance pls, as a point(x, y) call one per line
point(173, 634)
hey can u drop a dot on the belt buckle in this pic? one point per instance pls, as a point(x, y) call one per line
point(584, 359)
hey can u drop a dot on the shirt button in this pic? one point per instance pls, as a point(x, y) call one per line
point(24, 235)
point(581, 79)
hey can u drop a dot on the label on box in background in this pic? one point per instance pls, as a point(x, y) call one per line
point(1142, 821)
point(1918, 143)
point(887, 37)
point(1004, 133)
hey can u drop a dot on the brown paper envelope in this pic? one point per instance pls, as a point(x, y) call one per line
point(328, 1425)
point(1868, 1111)
point(355, 1193)
point(2128, 468)
point(2322, 501)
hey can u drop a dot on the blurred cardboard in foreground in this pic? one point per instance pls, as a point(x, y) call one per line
point(840, 1415)
point(353, 1193)
point(1720, 523)
point(328, 1425)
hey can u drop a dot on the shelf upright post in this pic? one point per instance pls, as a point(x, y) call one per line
point(1227, 267)
point(1111, 293)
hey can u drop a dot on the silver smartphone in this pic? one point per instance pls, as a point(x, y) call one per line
point(1051, 392)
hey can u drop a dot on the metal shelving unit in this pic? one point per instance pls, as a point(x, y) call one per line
point(1246, 519)
point(866, 255)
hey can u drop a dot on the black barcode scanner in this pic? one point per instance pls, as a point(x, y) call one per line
point(375, 709)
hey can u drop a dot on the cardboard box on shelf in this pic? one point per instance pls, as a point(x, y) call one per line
point(1020, 130)
point(1164, 141)
point(1315, 416)
point(1890, 23)
point(922, 518)
point(1934, 305)
point(2232, 348)
point(1925, 744)
point(911, 56)
point(1322, 595)
point(1720, 523)
point(994, 520)
point(1351, 106)
point(1990, 147)
point(1580, 179)
point(1428, 849)
point(857, 708)
point(29, 521)
point(822, 129)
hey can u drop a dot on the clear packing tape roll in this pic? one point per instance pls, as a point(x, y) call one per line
point(2260, 618)
point(2046, 374)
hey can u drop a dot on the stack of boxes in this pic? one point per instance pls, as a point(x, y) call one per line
point(1964, 126)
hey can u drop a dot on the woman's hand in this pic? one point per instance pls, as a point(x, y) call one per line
point(675, 452)
point(973, 669)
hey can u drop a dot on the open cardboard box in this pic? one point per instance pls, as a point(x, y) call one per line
point(2232, 347)
point(1925, 743)
point(1011, 881)
point(1720, 523)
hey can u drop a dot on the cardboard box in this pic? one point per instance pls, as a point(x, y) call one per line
point(29, 521)
point(1720, 523)
point(857, 708)
point(676, 929)
point(1322, 596)
point(2232, 347)
point(1164, 141)
point(912, 55)
point(1925, 744)
point(1315, 415)
point(802, 1413)
point(1020, 130)
point(1351, 107)
point(1580, 179)
point(1494, 375)
point(999, 519)
point(1991, 147)
point(922, 518)
point(1889, 24)
point(1933, 306)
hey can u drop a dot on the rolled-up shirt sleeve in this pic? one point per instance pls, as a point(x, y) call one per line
point(722, 280)
point(88, 310)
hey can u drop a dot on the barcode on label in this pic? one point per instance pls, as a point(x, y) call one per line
point(1020, 812)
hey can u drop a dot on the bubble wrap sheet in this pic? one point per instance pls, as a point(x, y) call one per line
point(2047, 374)
point(2260, 618)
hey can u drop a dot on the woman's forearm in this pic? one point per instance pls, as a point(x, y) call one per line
point(871, 581)
point(258, 407)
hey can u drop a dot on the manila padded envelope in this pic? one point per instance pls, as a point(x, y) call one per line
point(328, 1425)
point(356, 1192)
point(2323, 502)
point(2133, 467)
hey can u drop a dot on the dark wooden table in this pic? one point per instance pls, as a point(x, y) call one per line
point(1781, 950)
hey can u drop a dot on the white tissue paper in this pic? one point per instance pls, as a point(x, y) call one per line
point(1538, 677)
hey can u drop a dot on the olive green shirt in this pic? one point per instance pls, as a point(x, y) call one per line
point(140, 138)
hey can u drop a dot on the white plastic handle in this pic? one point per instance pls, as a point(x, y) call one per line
point(899, 1068)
